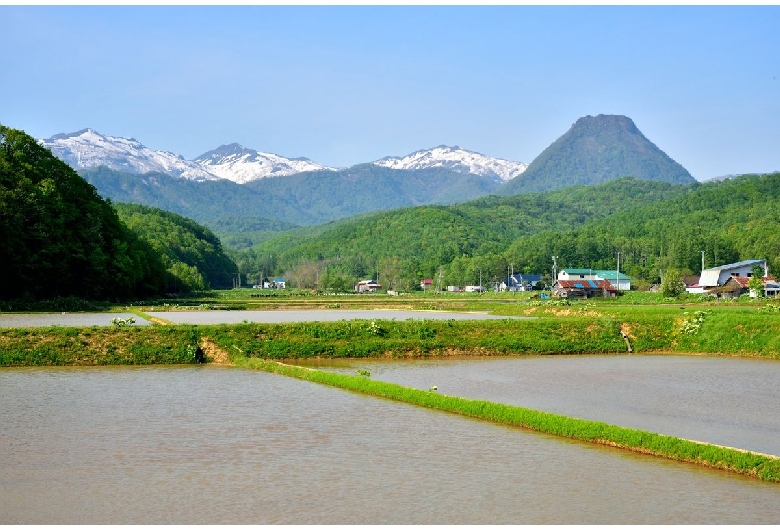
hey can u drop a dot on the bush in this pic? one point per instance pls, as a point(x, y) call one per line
point(672, 285)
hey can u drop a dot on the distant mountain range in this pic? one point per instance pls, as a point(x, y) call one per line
point(88, 149)
point(233, 186)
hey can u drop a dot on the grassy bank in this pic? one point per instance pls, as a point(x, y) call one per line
point(62, 346)
point(579, 329)
point(757, 465)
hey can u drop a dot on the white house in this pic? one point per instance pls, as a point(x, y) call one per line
point(367, 286)
point(716, 276)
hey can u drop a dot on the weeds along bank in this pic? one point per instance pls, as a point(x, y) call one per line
point(747, 333)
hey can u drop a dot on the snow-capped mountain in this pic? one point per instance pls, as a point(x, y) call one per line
point(456, 159)
point(239, 164)
point(88, 148)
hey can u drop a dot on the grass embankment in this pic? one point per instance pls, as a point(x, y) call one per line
point(577, 329)
point(357, 338)
point(65, 346)
point(765, 467)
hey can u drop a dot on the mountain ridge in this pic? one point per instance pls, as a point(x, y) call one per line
point(88, 149)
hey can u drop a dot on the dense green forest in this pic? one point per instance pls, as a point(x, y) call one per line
point(408, 244)
point(653, 225)
point(59, 238)
point(192, 254)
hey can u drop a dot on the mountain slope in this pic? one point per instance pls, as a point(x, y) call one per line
point(58, 237)
point(598, 149)
point(192, 255)
point(302, 199)
point(431, 236)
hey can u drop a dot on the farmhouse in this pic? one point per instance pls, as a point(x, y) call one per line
point(736, 286)
point(520, 282)
point(583, 288)
point(618, 280)
point(717, 276)
point(367, 286)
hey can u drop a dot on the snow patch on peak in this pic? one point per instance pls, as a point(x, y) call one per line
point(456, 159)
point(241, 165)
point(88, 148)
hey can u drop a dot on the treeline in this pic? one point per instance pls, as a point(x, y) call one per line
point(655, 226)
point(59, 238)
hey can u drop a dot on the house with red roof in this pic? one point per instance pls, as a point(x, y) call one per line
point(583, 288)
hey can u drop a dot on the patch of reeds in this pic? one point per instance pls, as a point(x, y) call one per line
point(765, 467)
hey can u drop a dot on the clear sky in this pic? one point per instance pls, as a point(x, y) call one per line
point(351, 84)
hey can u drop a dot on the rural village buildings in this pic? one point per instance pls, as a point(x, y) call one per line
point(520, 282)
point(723, 281)
point(731, 281)
point(587, 283)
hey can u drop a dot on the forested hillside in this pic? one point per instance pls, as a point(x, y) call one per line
point(653, 225)
point(58, 237)
point(192, 254)
point(408, 244)
point(732, 220)
point(279, 203)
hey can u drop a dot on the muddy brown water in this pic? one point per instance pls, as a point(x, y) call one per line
point(726, 401)
point(216, 445)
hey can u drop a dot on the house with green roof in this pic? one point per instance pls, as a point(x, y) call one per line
point(618, 280)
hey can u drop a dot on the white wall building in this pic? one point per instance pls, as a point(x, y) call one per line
point(716, 276)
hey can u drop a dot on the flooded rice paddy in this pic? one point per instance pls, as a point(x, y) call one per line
point(212, 445)
point(726, 401)
point(217, 445)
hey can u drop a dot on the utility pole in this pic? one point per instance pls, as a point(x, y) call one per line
point(555, 271)
point(617, 272)
point(702, 260)
point(511, 279)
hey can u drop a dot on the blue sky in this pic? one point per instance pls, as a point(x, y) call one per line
point(351, 84)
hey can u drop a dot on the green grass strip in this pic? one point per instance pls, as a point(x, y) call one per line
point(764, 467)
